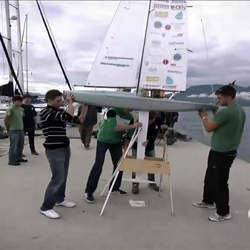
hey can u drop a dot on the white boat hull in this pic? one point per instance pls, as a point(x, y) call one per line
point(131, 101)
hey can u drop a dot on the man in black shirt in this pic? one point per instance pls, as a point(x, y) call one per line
point(57, 149)
point(29, 121)
point(86, 127)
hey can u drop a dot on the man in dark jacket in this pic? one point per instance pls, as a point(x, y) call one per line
point(29, 122)
point(86, 127)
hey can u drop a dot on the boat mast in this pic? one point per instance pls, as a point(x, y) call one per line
point(144, 43)
point(53, 45)
point(9, 47)
point(20, 58)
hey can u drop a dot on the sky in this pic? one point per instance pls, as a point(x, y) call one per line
point(220, 54)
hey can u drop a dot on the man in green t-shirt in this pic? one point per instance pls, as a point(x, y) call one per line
point(14, 125)
point(227, 127)
point(117, 123)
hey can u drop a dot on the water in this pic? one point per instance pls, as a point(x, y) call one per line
point(190, 124)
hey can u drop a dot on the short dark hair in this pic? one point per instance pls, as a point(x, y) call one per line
point(26, 96)
point(227, 90)
point(17, 98)
point(52, 94)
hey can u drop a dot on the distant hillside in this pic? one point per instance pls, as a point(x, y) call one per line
point(201, 93)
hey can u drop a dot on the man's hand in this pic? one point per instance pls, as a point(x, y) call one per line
point(145, 143)
point(137, 125)
point(69, 98)
point(202, 113)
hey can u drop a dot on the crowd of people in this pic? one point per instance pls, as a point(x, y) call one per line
point(115, 131)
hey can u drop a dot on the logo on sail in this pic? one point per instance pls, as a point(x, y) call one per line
point(169, 80)
point(168, 27)
point(165, 61)
point(157, 24)
point(152, 69)
point(179, 16)
point(161, 14)
point(152, 78)
point(177, 57)
point(161, 6)
point(155, 43)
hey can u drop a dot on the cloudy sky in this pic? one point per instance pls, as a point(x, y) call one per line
point(79, 28)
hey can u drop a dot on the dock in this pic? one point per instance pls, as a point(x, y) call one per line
point(121, 227)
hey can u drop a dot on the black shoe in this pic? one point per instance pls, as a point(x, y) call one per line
point(22, 160)
point(154, 187)
point(135, 188)
point(14, 164)
point(119, 191)
point(23, 155)
point(34, 153)
point(89, 198)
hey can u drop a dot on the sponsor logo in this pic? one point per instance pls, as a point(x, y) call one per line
point(161, 14)
point(152, 69)
point(177, 57)
point(169, 80)
point(168, 27)
point(176, 43)
point(178, 26)
point(178, 7)
point(161, 6)
point(152, 78)
point(157, 24)
point(155, 43)
point(179, 16)
point(165, 61)
point(179, 35)
point(175, 71)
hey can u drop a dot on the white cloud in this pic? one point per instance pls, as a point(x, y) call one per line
point(79, 28)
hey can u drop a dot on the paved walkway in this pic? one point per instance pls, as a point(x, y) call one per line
point(121, 227)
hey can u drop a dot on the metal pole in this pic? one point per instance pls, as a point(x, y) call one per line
point(20, 58)
point(10, 64)
point(9, 47)
point(144, 44)
point(27, 64)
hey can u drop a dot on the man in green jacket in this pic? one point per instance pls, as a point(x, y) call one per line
point(117, 122)
point(14, 125)
point(227, 127)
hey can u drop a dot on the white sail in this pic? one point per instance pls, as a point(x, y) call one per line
point(164, 63)
point(117, 63)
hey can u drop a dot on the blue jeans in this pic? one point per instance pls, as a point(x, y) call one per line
point(59, 165)
point(16, 145)
point(95, 173)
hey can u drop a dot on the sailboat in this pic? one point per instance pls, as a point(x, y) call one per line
point(145, 49)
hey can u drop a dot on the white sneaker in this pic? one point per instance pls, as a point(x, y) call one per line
point(218, 218)
point(51, 213)
point(203, 205)
point(65, 203)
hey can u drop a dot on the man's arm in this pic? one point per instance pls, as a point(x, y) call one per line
point(127, 127)
point(209, 125)
point(83, 113)
point(7, 119)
